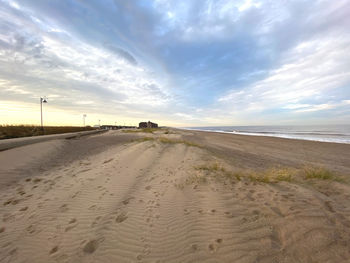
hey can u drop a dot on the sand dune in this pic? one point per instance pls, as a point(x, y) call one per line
point(117, 197)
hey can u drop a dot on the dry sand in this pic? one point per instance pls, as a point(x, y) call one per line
point(108, 198)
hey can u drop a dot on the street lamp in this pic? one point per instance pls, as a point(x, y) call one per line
point(42, 100)
point(84, 116)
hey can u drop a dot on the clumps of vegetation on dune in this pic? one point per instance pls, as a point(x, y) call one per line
point(144, 130)
point(272, 175)
point(144, 139)
point(215, 171)
point(321, 173)
point(168, 141)
point(175, 141)
point(16, 131)
point(149, 130)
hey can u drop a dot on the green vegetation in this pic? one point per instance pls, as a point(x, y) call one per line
point(16, 131)
point(207, 172)
point(210, 168)
point(174, 141)
point(144, 139)
point(267, 176)
point(259, 177)
point(144, 130)
point(167, 141)
point(318, 173)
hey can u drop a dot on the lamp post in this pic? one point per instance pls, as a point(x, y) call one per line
point(42, 100)
point(84, 116)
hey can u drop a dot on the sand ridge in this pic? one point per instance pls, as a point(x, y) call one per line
point(133, 202)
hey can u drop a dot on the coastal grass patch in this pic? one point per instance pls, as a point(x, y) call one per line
point(167, 141)
point(144, 139)
point(144, 130)
point(149, 130)
point(210, 168)
point(272, 175)
point(175, 141)
point(321, 173)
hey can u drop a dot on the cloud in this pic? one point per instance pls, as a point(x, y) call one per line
point(310, 79)
point(204, 62)
point(122, 54)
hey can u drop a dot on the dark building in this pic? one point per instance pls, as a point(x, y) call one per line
point(148, 125)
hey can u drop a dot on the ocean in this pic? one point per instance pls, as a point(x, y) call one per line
point(323, 133)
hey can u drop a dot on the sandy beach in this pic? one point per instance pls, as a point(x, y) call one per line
point(175, 196)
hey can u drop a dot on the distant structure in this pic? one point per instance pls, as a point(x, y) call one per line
point(148, 125)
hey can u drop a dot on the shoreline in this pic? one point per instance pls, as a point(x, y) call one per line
point(263, 135)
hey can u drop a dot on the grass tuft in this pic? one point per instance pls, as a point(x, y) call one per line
point(318, 173)
point(144, 130)
point(259, 177)
point(173, 141)
point(144, 139)
point(210, 168)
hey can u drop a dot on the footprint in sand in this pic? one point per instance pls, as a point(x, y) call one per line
point(194, 247)
point(107, 161)
point(91, 246)
point(219, 240)
point(127, 201)
point(277, 211)
point(54, 250)
point(64, 208)
point(31, 229)
point(212, 248)
point(93, 207)
point(23, 208)
point(121, 218)
point(69, 228)
point(2, 229)
point(37, 180)
point(13, 251)
point(148, 187)
point(96, 221)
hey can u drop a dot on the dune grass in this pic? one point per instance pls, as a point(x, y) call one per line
point(272, 175)
point(144, 130)
point(321, 173)
point(16, 131)
point(168, 141)
point(145, 139)
point(174, 141)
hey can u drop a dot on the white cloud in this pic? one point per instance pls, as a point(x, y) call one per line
point(311, 71)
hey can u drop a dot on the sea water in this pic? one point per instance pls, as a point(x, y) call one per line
point(323, 133)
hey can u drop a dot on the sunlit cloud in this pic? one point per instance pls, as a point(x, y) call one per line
point(180, 63)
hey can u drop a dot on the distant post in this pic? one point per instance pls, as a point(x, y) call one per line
point(84, 116)
point(42, 100)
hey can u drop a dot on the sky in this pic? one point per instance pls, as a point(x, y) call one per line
point(177, 63)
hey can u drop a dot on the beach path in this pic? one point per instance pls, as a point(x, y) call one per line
point(167, 197)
